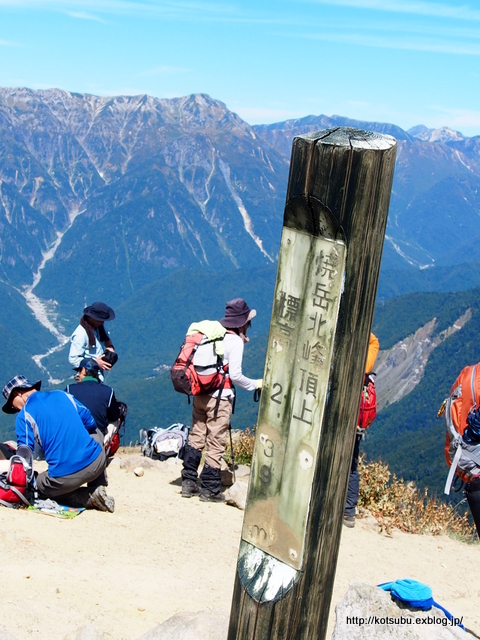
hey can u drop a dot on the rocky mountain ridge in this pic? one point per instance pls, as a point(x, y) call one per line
point(147, 185)
point(100, 197)
point(401, 368)
point(435, 205)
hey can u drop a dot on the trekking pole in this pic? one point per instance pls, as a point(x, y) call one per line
point(231, 451)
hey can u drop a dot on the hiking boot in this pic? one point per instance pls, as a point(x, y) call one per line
point(100, 501)
point(349, 521)
point(209, 496)
point(189, 489)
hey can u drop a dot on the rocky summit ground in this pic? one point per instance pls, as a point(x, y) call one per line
point(158, 554)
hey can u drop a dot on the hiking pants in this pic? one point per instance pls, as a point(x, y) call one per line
point(210, 431)
point(68, 490)
point(472, 493)
point(353, 480)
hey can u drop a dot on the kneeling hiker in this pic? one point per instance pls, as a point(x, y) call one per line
point(67, 432)
point(212, 411)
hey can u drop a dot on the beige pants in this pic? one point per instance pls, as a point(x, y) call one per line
point(208, 430)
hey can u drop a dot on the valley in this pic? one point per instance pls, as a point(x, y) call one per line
point(165, 209)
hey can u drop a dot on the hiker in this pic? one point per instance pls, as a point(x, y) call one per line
point(462, 445)
point(354, 478)
point(96, 396)
point(472, 494)
point(210, 422)
point(91, 340)
point(471, 436)
point(70, 440)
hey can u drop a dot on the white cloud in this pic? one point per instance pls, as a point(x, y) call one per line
point(161, 8)
point(458, 118)
point(408, 42)
point(430, 9)
point(80, 15)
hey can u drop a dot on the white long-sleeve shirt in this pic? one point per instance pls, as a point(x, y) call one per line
point(233, 356)
point(79, 347)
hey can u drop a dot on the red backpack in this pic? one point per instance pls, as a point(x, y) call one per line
point(112, 447)
point(16, 483)
point(368, 403)
point(462, 458)
point(198, 368)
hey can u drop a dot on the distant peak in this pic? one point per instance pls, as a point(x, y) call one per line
point(443, 134)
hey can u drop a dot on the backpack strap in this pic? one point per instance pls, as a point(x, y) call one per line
point(220, 389)
point(473, 388)
point(453, 467)
point(11, 505)
point(458, 453)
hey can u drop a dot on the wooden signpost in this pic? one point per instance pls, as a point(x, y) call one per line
point(334, 226)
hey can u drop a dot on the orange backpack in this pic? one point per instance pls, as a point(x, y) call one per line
point(464, 398)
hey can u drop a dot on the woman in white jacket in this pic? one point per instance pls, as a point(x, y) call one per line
point(90, 339)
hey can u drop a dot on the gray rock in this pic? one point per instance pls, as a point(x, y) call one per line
point(173, 461)
point(129, 463)
point(242, 471)
point(4, 635)
point(363, 614)
point(202, 625)
point(236, 495)
point(88, 633)
point(368, 521)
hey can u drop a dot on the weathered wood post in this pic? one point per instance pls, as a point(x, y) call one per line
point(334, 226)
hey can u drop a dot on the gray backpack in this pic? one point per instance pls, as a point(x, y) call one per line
point(161, 444)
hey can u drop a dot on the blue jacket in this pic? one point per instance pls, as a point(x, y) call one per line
point(61, 425)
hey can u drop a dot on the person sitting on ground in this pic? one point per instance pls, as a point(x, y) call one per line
point(97, 397)
point(91, 340)
point(211, 422)
point(70, 440)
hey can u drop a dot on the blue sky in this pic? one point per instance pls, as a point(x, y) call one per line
point(404, 62)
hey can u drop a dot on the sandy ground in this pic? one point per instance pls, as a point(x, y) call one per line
point(125, 573)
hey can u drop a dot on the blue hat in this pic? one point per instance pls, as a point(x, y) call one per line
point(89, 364)
point(18, 382)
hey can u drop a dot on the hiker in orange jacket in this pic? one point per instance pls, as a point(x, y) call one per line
point(354, 479)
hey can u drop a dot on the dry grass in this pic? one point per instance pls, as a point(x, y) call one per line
point(243, 443)
point(393, 502)
point(399, 504)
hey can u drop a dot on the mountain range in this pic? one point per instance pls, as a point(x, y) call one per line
point(140, 187)
point(165, 209)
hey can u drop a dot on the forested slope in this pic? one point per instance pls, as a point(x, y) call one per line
point(408, 434)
